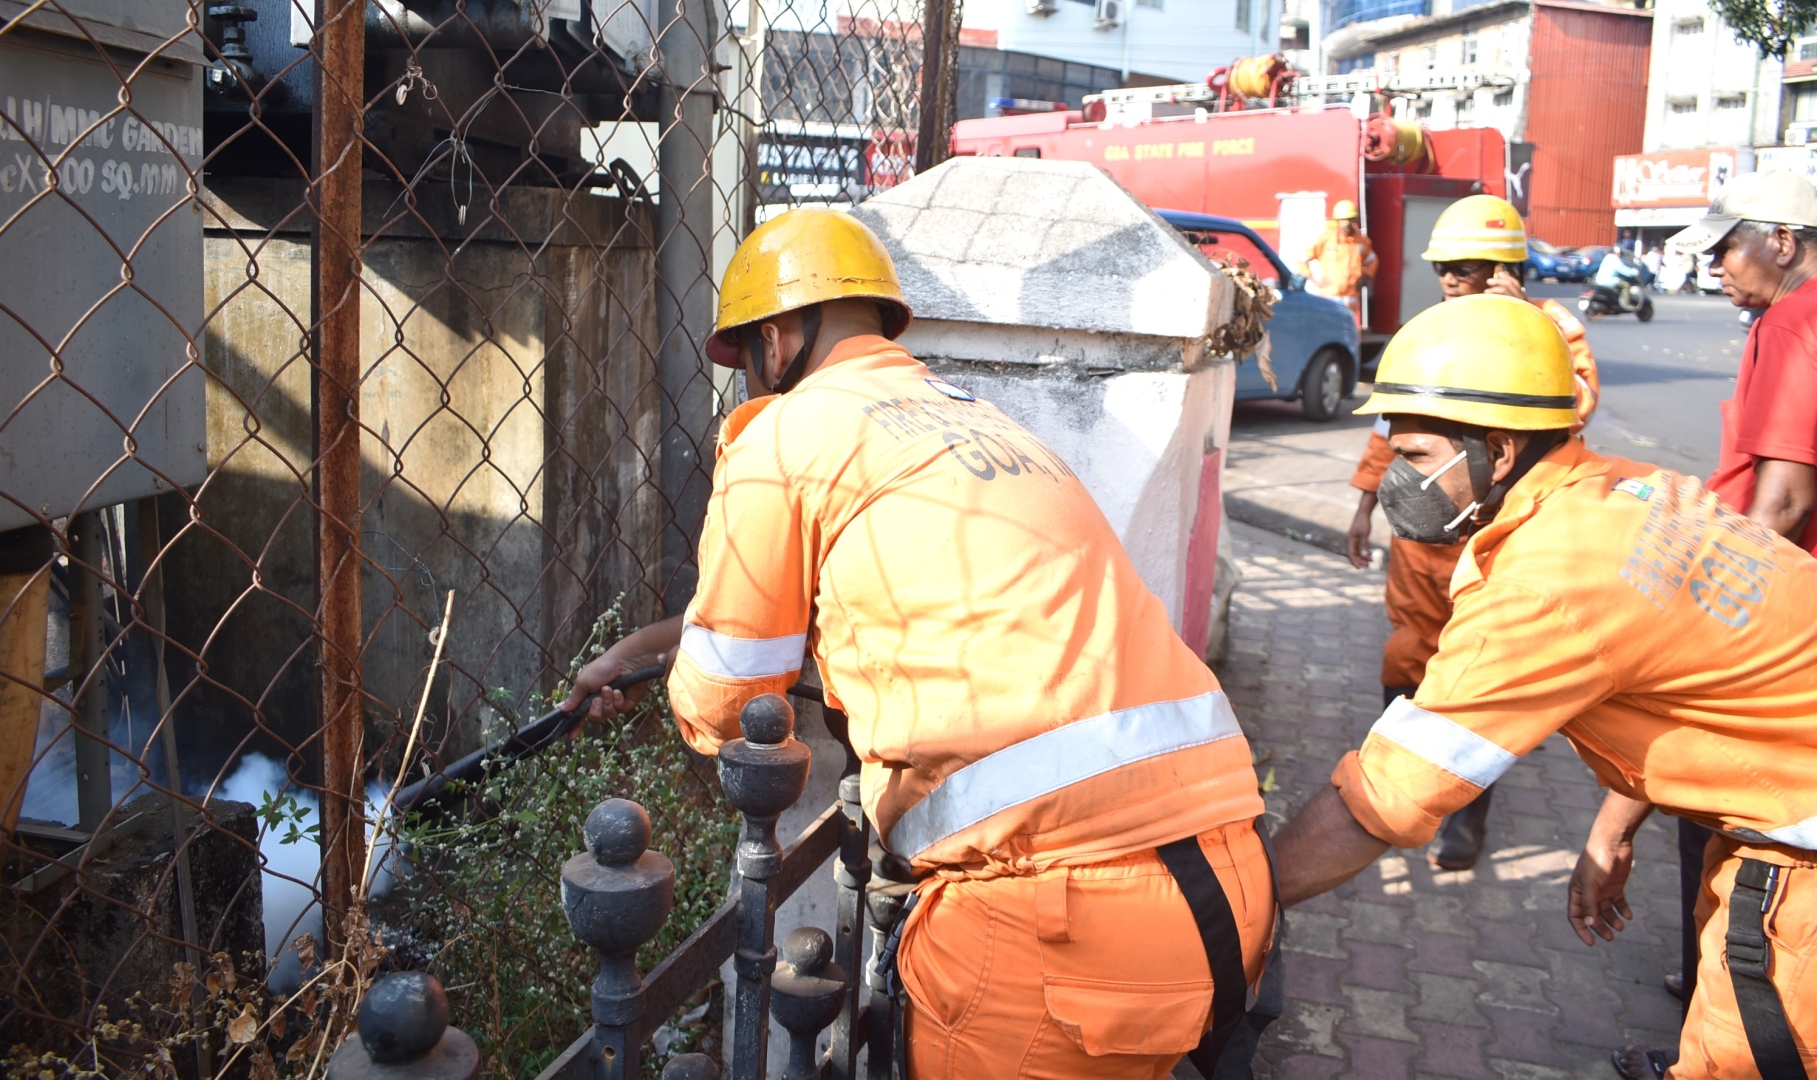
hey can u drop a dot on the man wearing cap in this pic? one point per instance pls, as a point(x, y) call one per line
point(1669, 638)
point(1342, 260)
point(1761, 235)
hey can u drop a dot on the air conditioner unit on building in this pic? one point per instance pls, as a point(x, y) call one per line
point(1797, 135)
point(1109, 15)
point(1043, 7)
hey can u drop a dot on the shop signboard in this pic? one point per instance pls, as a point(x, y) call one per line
point(1801, 160)
point(1672, 178)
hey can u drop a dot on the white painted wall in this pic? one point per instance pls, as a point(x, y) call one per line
point(1498, 50)
point(1177, 39)
point(1136, 440)
point(1705, 86)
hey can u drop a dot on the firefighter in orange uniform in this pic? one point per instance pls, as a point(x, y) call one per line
point(1622, 605)
point(1036, 740)
point(1342, 259)
point(1476, 246)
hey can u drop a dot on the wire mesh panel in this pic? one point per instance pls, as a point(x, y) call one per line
point(353, 388)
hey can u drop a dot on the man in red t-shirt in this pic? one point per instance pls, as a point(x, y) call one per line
point(1761, 234)
point(1762, 238)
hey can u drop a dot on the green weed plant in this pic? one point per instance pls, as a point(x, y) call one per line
point(484, 895)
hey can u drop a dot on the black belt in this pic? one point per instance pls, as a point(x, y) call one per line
point(1756, 998)
point(1217, 924)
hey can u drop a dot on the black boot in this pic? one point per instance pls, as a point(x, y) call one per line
point(1462, 835)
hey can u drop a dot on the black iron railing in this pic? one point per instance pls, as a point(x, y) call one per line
point(617, 894)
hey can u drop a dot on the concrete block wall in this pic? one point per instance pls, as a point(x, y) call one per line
point(511, 448)
point(1140, 442)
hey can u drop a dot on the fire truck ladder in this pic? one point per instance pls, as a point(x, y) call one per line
point(1138, 102)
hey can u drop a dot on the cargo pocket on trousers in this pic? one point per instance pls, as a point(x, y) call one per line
point(1129, 1018)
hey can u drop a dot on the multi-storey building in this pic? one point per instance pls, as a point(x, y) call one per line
point(1564, 81)
point(1713, 105)
point(1174, 40)
point(1707, 87)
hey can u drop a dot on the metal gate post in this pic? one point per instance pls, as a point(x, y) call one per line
point(684, 284)
point(617, 894)
point(852, 873)
point(885, 907)
point(762, 774)
point(340, 97)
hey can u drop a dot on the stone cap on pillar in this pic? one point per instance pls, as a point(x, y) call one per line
point(1026, 260)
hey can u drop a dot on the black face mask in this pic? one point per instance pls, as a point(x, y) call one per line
point(1420, 510)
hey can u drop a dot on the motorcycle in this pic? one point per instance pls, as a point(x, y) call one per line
point(1600, 300)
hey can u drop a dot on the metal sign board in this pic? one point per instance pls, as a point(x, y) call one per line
point(100, 280)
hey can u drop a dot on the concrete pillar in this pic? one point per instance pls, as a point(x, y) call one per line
point(684, 289)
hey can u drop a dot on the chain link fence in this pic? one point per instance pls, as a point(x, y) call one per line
point(324, 325)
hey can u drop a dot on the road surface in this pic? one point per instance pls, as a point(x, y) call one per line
point(1663, 383)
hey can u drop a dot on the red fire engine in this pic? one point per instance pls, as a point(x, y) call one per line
point(1278, 168)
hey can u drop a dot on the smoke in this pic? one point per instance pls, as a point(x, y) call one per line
point(291, 869)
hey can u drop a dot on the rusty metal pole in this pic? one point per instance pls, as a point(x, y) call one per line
point(340, 93)
point(930, 138)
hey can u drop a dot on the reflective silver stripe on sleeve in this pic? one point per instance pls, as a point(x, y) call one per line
point(742, 658)
point(1801, 835)
point(1444, 742)
point(1060, 758)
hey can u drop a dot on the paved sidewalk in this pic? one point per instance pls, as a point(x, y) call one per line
point(1292, 476)
point(1408, 971)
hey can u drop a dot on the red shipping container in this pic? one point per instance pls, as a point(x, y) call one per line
point(1586, 103)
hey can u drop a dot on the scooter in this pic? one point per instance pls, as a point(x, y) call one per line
point(1600, 300)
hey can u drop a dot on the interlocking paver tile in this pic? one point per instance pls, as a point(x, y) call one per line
point(1523, 1035)
point(1379, 967)
point(1411, 971)
point(1378, 1059)
point(1383, 924)
point(1314, 978)
point(1451, 1051)
point(1515, 986)
point(1380, 1013)
point(1590, 1021)
point(1445, 954)
point(1447, 999)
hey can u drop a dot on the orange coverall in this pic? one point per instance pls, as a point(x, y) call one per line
point(1670, 639)
point(1419, 575)
point(1342, 263)
point(1030, 726)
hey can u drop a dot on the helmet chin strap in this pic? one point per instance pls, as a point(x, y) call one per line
point(797, 367)
point(1489, 495)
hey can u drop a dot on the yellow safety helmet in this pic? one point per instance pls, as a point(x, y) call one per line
point(1345, 210)
point(1489, 361)
point(802, 257)
point(1478, 227)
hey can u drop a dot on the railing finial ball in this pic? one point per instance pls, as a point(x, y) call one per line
point(618, 832)
point(767, 720)
point(402, 1017)
point(807, 949)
